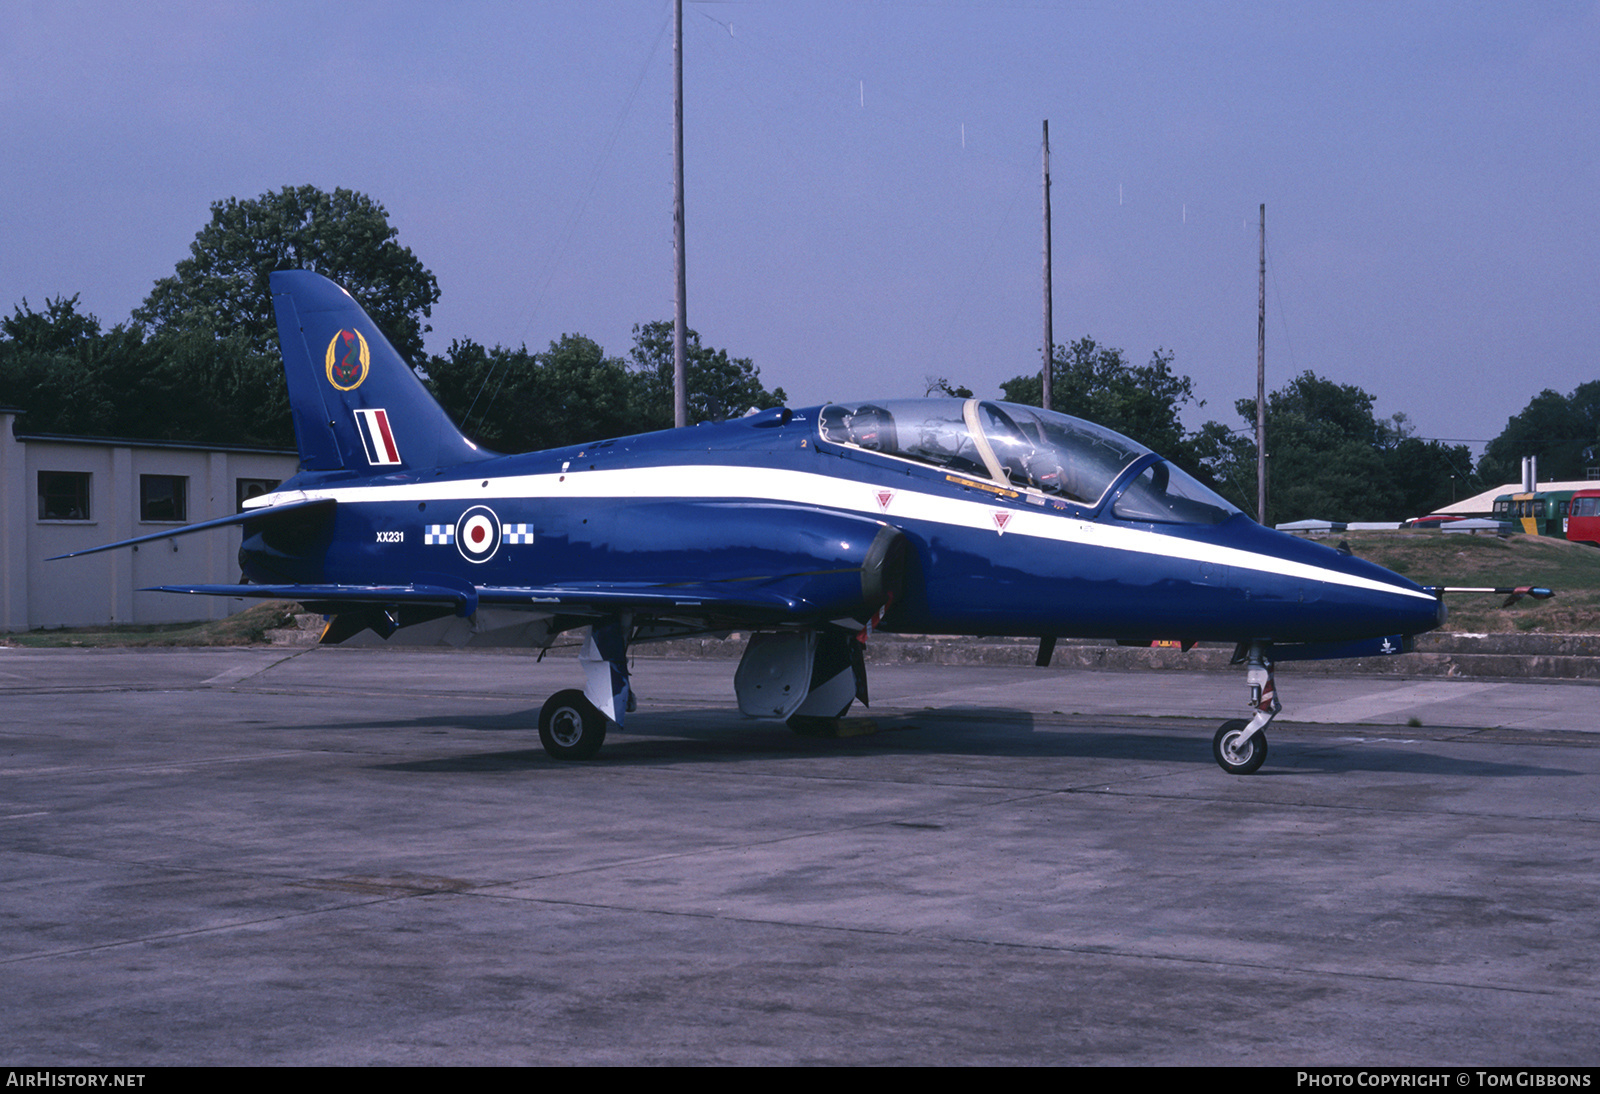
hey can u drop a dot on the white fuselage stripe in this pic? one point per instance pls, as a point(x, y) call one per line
point(698, 482)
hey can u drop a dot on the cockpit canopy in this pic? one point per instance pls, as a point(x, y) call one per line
point(1026, 449)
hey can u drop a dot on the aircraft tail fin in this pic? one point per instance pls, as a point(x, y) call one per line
point(357, 405)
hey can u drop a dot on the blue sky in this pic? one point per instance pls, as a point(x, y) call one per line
point(864, 178)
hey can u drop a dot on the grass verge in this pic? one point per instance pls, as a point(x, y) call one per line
point(248, 628)
point(1456, 559)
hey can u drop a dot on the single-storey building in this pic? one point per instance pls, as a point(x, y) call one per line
point(1482, 505)
point(60, 493)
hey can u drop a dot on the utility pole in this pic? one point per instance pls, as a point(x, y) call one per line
point(680, 325)
point(1261, 380)
point(1049, 334)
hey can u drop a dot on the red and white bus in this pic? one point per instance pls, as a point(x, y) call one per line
point(1583, 517)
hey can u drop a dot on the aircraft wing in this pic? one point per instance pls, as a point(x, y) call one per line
point(353, 595)
point(702, 600)
point(698, 599)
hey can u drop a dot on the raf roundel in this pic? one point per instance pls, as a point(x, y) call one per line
point(478, 534)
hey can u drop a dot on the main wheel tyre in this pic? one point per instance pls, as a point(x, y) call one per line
point(570, 728)
point(1235, 755)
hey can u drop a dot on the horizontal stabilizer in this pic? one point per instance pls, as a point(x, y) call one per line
point(264, 513)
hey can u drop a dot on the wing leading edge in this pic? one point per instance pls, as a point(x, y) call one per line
point(708, 600)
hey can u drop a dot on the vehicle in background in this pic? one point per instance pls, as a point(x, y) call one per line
point(1541, 513)
point(1583, 518)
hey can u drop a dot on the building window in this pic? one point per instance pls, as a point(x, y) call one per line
point(63, 495)
point(163, 498)
point(245, 489)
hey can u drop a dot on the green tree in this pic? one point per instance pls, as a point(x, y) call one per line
point(1329, 458)
point(592, 396)
point(346, 236)
point(60, 328)
point(514, 401)
point(484, 389)
point(1096, 382)
point(200, 387)
point(1225, 459)
point(72, 377)
point(51, 367)
point(939, 386)
point(720, 386)
point(1322, 452)
point(1428, 475)
point(1562, 430)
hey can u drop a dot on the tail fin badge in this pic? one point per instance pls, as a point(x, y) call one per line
point(348, 358)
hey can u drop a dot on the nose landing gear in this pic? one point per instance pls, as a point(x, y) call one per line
point(1240, 747)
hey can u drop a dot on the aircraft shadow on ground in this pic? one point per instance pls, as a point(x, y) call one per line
point(977, 732)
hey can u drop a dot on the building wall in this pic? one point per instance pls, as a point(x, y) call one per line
point(102, 588)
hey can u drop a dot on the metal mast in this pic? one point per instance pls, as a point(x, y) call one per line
point(1261, 380)
point(1049, 334)
point(680, 325)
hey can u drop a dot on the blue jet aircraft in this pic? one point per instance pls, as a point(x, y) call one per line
point(808, 528)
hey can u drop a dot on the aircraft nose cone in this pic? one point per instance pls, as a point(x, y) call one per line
point(1346, 597)
point(1404, 611)
point(1397, 605)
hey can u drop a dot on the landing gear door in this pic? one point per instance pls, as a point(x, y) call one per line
point(804, 673)
point(775, 673)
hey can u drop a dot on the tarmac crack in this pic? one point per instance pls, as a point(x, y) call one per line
point(246, 671)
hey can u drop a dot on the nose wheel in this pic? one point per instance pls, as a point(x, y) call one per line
point(1238, 751)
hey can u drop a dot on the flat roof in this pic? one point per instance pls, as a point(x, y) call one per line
point(1484, 502)
point(140, 442)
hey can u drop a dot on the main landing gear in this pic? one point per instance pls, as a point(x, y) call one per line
point(807, 678)
point(572, 724)
point(1240, 747)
